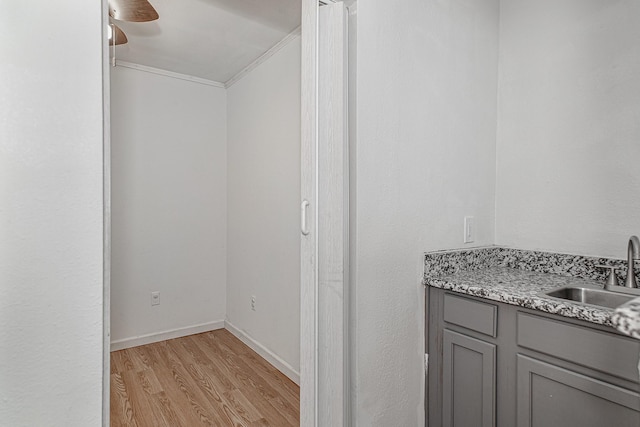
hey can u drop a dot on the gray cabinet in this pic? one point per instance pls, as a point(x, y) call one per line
point(552, 396)
point(469, 368)
point(494, 364)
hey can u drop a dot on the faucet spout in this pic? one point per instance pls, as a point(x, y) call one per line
point(633, 253)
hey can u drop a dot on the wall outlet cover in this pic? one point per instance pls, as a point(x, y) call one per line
point(469, 229)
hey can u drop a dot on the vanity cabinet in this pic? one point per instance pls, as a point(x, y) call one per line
point(494, 364)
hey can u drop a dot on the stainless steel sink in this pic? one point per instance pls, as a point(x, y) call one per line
point(591, 296)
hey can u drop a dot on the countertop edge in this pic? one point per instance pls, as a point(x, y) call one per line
point(588, 313)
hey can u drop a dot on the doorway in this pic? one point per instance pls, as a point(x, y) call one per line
point(313, 364)
point(205, 187)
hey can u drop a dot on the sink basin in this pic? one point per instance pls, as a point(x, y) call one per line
point(591, 296)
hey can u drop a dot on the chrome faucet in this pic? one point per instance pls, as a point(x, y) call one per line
point(633, 253)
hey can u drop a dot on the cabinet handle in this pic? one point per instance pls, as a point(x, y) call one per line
point(303, 217)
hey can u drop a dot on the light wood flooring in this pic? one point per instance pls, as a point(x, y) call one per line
point(209, 379)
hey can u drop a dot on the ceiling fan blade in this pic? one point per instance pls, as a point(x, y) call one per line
point(118, 36)
point(132, 10)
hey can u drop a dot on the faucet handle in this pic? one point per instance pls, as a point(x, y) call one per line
point(612, 279)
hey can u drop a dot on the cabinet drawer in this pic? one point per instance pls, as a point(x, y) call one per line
point(605, 352)
point(474, 315)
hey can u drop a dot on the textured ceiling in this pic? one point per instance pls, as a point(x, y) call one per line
point(211, 39)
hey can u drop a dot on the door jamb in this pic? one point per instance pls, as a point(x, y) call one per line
point(106, 227)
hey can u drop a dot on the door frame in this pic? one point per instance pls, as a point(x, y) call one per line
point(106, 227)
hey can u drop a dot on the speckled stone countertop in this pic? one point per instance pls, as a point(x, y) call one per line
point(524, 289)
point(520, 278)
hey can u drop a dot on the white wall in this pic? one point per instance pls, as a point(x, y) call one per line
point(569, 128)
point(427, 82)
point(169, 203)
point(263, 235)
point(50, 214)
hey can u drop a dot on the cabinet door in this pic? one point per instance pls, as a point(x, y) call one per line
point(551, 396)
point(469, 382)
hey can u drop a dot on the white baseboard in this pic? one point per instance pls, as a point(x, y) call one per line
point(166, 335)
point(264, 352)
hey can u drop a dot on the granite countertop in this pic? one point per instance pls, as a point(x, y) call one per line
point(524, 289)
point(521, 277)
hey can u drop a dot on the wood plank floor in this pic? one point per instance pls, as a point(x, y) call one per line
point(209, 379)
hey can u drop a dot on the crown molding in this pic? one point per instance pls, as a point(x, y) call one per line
point(171, 74)
point(238, 76)
point(262, 58)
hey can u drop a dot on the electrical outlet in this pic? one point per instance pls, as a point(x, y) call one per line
point(469, 229)
point(155, 298)
point(253, 302)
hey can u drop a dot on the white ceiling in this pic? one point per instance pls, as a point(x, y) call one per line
point(210, 39)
